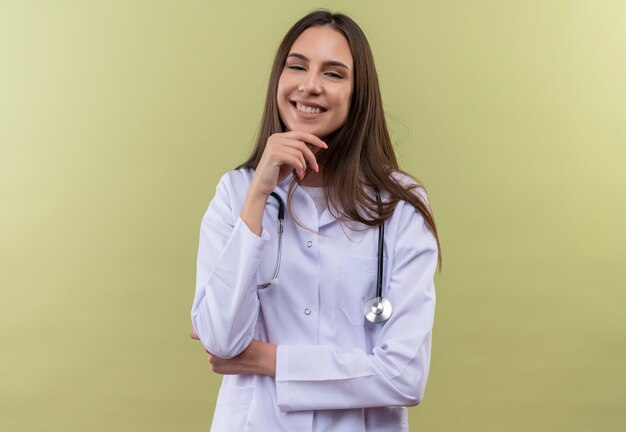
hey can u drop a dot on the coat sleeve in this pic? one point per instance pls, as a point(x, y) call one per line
point(226, 305)
point(395, 372)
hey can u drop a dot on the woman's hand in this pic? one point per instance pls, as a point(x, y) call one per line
point(284, 152)
point(258, 358)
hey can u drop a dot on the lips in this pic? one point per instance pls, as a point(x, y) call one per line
point(308, 107)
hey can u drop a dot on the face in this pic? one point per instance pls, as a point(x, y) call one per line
point(315, 86)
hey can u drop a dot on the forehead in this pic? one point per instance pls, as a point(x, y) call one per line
point(323, 43)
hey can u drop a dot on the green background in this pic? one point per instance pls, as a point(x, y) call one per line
point(117, 118)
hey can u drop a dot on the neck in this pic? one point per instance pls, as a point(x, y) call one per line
point(313, 179)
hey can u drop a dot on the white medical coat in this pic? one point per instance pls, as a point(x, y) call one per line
point(335, 371)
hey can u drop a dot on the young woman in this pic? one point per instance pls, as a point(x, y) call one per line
point(291, 315)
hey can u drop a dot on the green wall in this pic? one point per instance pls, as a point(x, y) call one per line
point(118, 117)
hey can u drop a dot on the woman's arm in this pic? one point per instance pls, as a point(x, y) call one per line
point(258, 358)
point(312, 377)
point(395, 372)
point(226, 306)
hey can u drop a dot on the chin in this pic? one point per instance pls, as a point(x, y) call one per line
point(319, 132)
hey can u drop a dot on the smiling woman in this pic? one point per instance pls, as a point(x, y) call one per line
point(319, 347)
point(316, 83)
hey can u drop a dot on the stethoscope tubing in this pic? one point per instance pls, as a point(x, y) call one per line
point(281, 219)
point(381, 244)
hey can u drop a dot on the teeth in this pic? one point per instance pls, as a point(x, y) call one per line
point(308, 109)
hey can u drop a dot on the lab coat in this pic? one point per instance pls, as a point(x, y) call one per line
point(335, 371)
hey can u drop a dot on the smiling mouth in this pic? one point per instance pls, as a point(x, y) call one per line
point(308, 109)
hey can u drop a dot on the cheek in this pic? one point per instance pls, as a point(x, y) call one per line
point(279, 93)
point(285, 83)
point(281, 98)
point(345, 103)
point(280, 90)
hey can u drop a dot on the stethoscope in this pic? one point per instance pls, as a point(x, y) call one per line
point(377, 309)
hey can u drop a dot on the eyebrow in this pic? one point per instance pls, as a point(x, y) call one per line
point(326, 63)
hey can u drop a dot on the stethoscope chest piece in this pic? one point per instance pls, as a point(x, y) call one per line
point(377, 310)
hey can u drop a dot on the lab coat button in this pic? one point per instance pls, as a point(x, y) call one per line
point(307, 311)
point(309, 244)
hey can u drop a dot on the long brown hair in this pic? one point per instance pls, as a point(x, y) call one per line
point(360, 155)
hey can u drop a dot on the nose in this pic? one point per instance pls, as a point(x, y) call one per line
point(310, 83)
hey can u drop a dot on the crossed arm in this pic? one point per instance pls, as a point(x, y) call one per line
point(258, 358)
